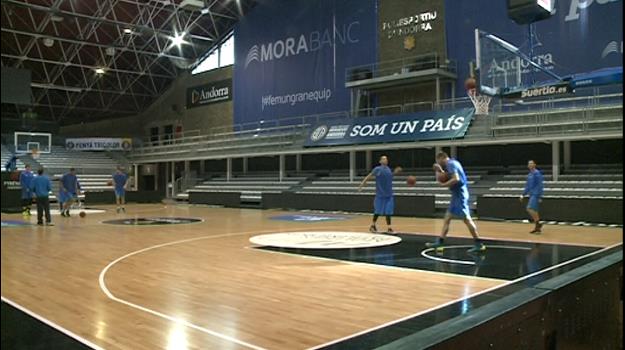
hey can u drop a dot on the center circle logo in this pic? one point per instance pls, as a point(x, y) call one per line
point(69, 145)
point(324, 240)
point(319, 133)
point(153, 221)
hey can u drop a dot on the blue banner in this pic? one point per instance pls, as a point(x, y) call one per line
point(582, 36)
point(292, 55)
point(443, 125)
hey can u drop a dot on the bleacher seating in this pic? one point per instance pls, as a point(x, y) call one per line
point(580, 181)
point(251, 186)
point(59, 160)
point(6, 155)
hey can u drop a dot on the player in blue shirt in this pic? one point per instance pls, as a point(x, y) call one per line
point(68, 191)
point(459, 204)
point(534, 188)
point(119, 182)
point(383, 203)
point(26, 178)
point(41, 187)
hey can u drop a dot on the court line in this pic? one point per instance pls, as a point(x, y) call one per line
point(482, 237)
point(110, 295)
point(160, 314)
point(390, 323)
point(377, 266)
point(52, 324)
point(424, 253)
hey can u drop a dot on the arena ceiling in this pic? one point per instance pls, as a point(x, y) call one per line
point(96, 59)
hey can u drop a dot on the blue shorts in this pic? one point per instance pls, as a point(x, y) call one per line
point(383, 205)
point(534, 203)
point(65, 196)
point(120, 192)
point(459, 206)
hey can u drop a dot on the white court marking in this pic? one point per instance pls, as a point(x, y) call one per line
point(110, 295)
point(51, 324)
point(424, 253)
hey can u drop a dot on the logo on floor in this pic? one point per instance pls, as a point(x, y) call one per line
point(309, 218)
point(324, 240)
point(153, 221)
point(14, 223)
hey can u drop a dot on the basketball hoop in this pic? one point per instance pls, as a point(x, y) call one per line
point(480, 101)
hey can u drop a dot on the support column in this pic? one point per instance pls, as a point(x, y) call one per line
point(228, 169)
point(202, 166)
point(167, 172)
point(136, 172)
point(368, 160)
point(437, 150)
point(298, 163)
point(352, 165)
point(245, 165)
point(438, 91)
point(555, 159)
point(454, 151)
point(567, 154)
point(173, 178)
point(187, 168)
point(282, 166)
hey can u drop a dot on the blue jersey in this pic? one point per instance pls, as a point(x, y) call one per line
point(383, 181)
point(120, 180)
point(70, 183)
point(41, 186)
point(461, 187)
point(534, 184)
point(26, 177)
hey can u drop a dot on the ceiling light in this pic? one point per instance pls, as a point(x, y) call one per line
point(56, 18)
point(99, 70)
point(128, 31)
point(110, 51)
point(178, 39)
point(47, 42)
point(204, 11)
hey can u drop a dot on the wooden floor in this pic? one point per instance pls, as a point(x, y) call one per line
point(200, 286)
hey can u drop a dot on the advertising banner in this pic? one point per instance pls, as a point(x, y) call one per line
point(397, 128)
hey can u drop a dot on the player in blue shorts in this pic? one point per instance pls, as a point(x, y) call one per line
point(119, 183)
point(534, 188)
point(383, 203)
point(68, 191)
point(459, 204)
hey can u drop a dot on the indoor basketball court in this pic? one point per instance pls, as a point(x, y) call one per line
point(312, 174)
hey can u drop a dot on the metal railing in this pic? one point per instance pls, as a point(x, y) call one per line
point(400, 66)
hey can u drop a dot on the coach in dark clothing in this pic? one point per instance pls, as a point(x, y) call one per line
point(41, 187)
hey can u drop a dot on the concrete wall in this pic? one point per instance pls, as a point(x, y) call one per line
point(168, 109)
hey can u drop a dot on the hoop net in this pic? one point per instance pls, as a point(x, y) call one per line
point(480, 101)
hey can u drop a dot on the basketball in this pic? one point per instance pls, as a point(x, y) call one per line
point(411, 180)
point(82, 214)
point(470, 84)
point(441, 177)
point(109, 183)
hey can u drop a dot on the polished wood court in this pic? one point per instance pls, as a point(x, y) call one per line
point(200, 286)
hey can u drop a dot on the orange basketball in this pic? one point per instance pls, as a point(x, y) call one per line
point(82, 214)
point(441, 177)
point(411, 180)
point(470, 84)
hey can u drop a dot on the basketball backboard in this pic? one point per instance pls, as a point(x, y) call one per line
point(26, 142)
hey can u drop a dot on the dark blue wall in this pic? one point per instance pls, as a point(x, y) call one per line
point(327, 36)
